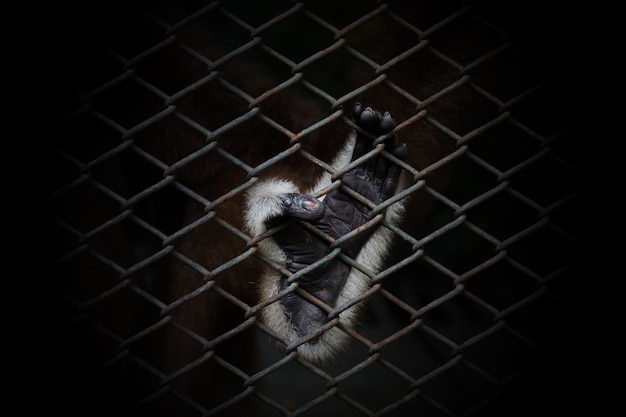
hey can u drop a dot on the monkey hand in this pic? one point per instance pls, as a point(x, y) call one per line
point(302, 248)
point(339, 213)
point(376, 180)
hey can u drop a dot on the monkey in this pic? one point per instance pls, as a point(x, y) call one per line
point(177, 248)
point(318, 236)
point(277, 202)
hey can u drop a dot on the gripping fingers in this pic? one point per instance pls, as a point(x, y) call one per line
point(387, 124)
point(372, 121)
point(302, 206)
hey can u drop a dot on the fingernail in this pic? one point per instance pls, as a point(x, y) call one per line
point(310, 204)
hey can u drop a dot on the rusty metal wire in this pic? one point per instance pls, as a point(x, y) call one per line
point(502, 297)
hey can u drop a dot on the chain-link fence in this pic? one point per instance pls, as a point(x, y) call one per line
point(135, 130)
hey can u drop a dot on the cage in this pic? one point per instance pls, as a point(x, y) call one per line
point(137, 128)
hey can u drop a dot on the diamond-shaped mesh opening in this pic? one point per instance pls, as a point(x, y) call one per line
point(547, 110)
point(474, 112)
point(229, 33)
point(479, 354)
point(153, 141)
point(474, 182)
point(503, 215)
point(519, 74)
point(256, 60)
point(505, 146)
point(363, 39)
point(399, 387)
point(502, 285)
point(476, 386)
point(316, 39)
point(320, 72)
point(415, 66)
point(283, 103)
point(563, 253)
point(341, 15)
point(477, 249)
point(480, 41)
point(151, 68)
point(558, 180)
point(474, 320)
point(133, 286)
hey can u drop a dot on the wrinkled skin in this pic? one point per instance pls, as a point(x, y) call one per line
point(376, 179)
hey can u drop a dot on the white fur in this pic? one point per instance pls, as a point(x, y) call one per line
point(263, 202)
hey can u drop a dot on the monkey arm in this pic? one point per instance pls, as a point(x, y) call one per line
point(303, 248)
point(338, 213)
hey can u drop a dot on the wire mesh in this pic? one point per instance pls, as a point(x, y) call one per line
point(138, 127)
